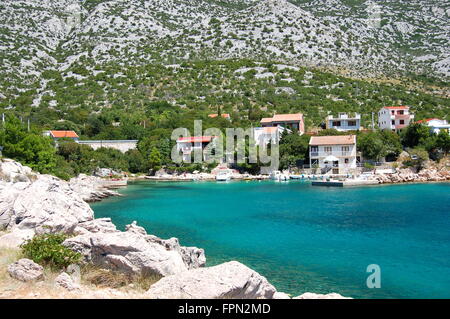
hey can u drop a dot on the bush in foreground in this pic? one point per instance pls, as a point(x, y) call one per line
point(47, 250)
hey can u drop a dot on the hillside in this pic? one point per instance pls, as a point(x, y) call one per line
point(117, 55)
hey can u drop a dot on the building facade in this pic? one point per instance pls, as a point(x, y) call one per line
point(344, 122)
point(333, 155)
point(264, 135)
point(293, 122)
point(394, 118)
point(188, 145)
point(436, 125)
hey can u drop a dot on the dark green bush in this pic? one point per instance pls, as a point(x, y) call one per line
point(47, 250)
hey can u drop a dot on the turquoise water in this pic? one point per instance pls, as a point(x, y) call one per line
point(304, 238)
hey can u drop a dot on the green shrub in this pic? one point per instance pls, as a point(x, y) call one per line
point(47, 250)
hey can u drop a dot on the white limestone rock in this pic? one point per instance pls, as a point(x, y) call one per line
point(12, 171)
point(310, 295)
point(99, 225)
point(49, 205)
point(281, 295)
point(16, 238)
point(228, 280)
point(89, 188)
point(133, 252)
point(66, 282)
point(26, 270)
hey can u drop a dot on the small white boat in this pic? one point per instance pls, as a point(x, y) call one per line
point(279, 176)
point(223, 176)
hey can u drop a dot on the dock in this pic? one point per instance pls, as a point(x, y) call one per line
point(332, 183)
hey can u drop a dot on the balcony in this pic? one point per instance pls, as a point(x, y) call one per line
point(401, 117)
point(336, 153)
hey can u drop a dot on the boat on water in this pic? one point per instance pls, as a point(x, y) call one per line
point(279, 176)
point(223, 176)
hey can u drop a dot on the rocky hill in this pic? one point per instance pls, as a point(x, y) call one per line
point(45, 41)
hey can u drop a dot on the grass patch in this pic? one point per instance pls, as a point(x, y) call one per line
point(105, 278)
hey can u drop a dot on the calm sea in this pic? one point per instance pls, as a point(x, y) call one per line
point(304, 238)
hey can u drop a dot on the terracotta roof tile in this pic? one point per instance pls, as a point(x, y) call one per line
point(288, 117)
point(333, 140)
point(396, 107)
point(225, 115)
point(62, 134)
point(196, 139)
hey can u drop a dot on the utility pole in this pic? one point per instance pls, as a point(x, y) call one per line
point(28, 125)
point(3, 118)
point(373, 122)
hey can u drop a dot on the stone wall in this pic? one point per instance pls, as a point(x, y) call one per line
point(121, 145)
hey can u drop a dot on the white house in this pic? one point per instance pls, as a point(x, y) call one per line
point(289, 121)
point(187, 145)
point(333, 154)
point(344, 122)
point(394, 117)
point(264, 135)
point(436, 125)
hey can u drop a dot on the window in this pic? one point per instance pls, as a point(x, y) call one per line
point(351, 123)
point(401, 112)
point(402, 122)
point(328, 149)
point(345, 148)
point(336, 123)
point(314, 149)
point(346, 161)
point(393, 112)
point(393, 122)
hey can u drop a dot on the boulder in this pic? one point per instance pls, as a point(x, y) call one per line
point(49, 205)
point(99, 225)
point(310, 295)
point(8, 195)
point(66, 282)
point(135, 252)
point(16, 238)
point(12, 171)
point(193, 257)
point(228, 280)
point(26, 270)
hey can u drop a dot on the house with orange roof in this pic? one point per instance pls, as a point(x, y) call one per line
point(394, 118)
point(293, 122)
point(57, 135)
point(333, 155)
point(436, 125)
point(224, 115)
point(187, 145)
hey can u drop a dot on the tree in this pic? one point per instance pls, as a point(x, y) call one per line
point(293, 148)
point(415, 135)
point(154, 159)
point(392, 142)
point(30, 149)
point(136, 162)
point(371, 146)
point(443, 141)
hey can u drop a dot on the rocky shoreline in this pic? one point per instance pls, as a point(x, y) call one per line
point(33, 204)
point(409, 176)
